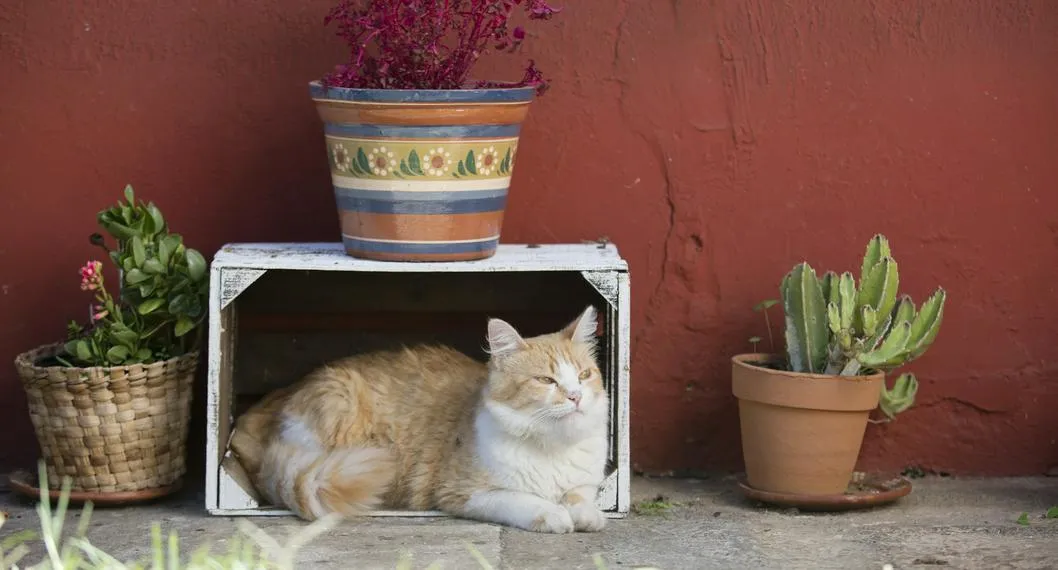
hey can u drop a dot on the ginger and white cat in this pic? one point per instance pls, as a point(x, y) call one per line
point(520, 441)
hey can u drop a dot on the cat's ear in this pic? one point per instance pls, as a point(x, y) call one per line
point(582, 329)
point(503, 339)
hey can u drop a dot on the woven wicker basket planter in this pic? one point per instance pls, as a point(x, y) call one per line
point(114, 429)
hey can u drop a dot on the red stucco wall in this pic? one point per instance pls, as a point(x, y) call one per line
point(717, 143)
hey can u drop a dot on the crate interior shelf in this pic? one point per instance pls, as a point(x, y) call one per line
point(278, 310)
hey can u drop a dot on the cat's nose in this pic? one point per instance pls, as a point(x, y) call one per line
point(574, 397)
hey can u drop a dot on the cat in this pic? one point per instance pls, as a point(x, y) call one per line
point(520, 441)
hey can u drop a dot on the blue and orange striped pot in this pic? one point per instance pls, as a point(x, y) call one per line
point(421, 175)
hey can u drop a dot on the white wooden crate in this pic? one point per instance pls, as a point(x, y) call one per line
point(277, 310)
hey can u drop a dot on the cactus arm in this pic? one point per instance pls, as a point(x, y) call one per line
point(901, 397)
point(893, 348)
point(834, 318)
point(905, 310)
point(847, 296)
point(806, 320)
point(829, 283)
point(878, 290)
point(877, 249)
point(926, 324)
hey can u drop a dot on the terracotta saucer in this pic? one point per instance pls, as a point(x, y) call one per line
point(25, 483)
point(865, 491)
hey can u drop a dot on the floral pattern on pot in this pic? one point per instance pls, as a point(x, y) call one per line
point(398, 159)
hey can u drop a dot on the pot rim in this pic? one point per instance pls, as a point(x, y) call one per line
point(745, 359)
point(26, 360)
point(522, 94)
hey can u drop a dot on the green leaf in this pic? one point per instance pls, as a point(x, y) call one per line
point(143, 354)
point(147, 289)
point(183, 326)
point(139, 253)
point(1024, 519)
point(156, 216)
point(505, 165)
point(153, 266)
point(414, 164)
point(130, 196)
point(115, 256)
point(127, 264)
point(1052, 513)
point(462, 171)
point(404, 167)
point(124, 336)
point(117, 354)
point(194, 308)
point(765, 304)
point(149, 306)
point(120, 231)
point(179, 305)
point(472, 167)
point(82, 351)
point(135, 276)
point(170, 244)
point(196, 265)
point(71, 348)
point(361, 161)
point(164, 252)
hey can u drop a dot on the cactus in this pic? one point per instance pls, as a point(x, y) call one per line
point(834, 326)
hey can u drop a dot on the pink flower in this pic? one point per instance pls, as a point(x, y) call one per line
point(100, 313)
point(519, 33)
point(91, 276)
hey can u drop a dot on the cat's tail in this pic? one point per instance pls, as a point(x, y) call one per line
point(313, 482)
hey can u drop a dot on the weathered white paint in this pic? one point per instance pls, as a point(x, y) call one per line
point(213, 411)
point(509, 257)
point(623, 393)
point(233, 281)
point(237, 266)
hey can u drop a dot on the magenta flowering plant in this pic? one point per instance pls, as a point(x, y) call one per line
point(428, 44)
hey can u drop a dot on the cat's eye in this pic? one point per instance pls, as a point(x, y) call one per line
point(545, 379)
point(585, 374)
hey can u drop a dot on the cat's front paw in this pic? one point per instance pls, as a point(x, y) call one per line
point(554, 520)
point(587, 517)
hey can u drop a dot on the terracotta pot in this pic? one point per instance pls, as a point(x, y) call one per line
point(801, 433)
point(421, 175)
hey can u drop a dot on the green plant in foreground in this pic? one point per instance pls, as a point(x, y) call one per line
point(260, 552)
point(835, 325)
point(163, 292)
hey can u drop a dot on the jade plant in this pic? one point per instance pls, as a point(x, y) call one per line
point(837, 326)
point(159, 310)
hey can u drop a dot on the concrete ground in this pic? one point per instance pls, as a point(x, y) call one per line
point(944, 523)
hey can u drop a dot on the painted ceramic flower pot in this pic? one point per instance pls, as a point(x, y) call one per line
point(801, 433)
point(421, 175)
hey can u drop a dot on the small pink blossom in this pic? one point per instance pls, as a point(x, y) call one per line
point(99, 313)
point(91, 276)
